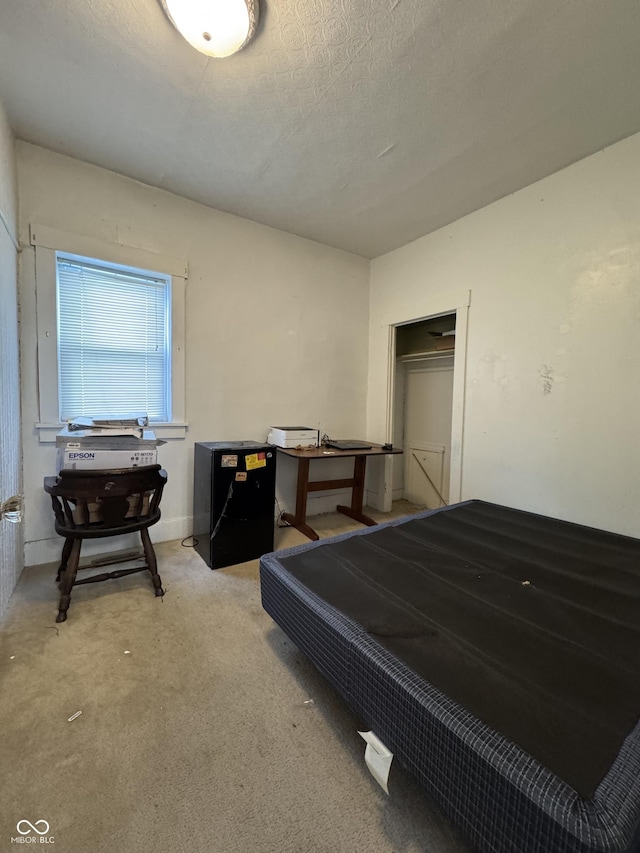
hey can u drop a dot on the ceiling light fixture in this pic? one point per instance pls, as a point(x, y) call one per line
point(215, 27)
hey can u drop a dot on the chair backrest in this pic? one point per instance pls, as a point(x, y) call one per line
point(107, 499)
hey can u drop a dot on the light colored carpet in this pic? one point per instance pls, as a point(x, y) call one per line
point(196, 732)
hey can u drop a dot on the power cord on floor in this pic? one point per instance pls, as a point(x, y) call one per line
point(195, 541)
point(279, 520)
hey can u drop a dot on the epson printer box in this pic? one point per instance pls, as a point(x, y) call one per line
point(293, 436)
point(88, 457)
point(84, 449)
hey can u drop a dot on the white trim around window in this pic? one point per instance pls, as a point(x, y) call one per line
point(46, 242)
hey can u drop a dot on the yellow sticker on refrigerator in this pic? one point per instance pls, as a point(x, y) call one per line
point(255, 460)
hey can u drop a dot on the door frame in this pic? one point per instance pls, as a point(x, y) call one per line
point(435, 306)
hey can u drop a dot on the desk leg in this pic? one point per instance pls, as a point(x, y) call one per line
point(357, 494)
point(299, 519)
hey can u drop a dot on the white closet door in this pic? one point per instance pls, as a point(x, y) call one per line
point(427, 435)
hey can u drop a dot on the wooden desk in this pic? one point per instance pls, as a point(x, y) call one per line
point(355, 483)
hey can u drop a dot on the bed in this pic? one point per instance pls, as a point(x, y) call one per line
point(496, 653)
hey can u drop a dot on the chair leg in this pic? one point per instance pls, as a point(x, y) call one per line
point(64, 559)
point(68, 578)
point(152, 563)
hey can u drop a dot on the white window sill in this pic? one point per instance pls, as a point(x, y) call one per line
point(47, 432)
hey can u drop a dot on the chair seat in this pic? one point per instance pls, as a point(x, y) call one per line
point(97, 504)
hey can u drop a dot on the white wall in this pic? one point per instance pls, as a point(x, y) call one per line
point(276, 326)
point(277, 331)
point(553, 347)
point(11, 551)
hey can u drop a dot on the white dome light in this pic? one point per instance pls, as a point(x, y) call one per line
point(215, 27)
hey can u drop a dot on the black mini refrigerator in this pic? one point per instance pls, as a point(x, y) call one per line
point(234, 489)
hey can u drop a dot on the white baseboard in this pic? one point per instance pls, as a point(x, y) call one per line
point(49, 550)
point(170, 529)
point(320, 504)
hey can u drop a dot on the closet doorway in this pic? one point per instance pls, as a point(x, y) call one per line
point(424, 395)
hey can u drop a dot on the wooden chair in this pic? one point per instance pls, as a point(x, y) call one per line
point(92, 504)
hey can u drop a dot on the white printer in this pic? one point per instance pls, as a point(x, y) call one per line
point(96, 448)
point(293, 436)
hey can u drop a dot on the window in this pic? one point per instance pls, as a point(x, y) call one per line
point(114, 334)
point(110, 332)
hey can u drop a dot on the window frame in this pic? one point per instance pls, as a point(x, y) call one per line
point(101, 265)
point(47, 242)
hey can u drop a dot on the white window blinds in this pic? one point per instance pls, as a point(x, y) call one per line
point(114, 332)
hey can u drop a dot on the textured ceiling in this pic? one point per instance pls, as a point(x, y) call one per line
point(362, 124)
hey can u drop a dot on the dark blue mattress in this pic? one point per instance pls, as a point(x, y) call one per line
point(495, 653)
